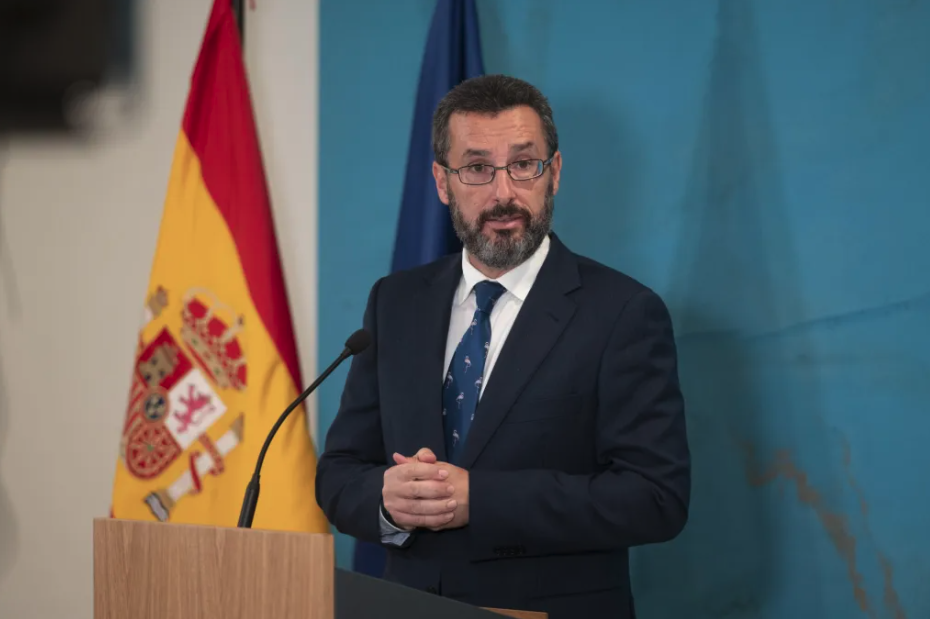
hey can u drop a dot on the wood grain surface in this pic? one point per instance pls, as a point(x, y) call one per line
point(149, 570)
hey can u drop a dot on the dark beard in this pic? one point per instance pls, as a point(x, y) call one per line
point(505, 250)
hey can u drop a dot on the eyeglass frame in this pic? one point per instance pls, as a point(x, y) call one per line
point(544, 163)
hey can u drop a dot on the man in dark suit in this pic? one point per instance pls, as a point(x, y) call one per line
point(517, 423)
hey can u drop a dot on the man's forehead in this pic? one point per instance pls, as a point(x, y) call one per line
point(519, 128)
point(521, 116)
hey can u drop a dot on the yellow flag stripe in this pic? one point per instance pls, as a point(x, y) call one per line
point(198, 304)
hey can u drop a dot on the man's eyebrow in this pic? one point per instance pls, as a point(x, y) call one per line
point(516, 148)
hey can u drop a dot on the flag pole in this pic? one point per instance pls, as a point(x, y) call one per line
point(239, 8)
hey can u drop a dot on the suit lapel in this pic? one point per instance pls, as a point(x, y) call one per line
point(544, 315)
point(426, 341)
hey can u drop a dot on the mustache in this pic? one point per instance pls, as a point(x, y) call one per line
point(501, 211)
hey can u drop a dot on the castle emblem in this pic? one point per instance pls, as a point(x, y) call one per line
point(174, 396)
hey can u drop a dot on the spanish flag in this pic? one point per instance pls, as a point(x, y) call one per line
point(216, 362)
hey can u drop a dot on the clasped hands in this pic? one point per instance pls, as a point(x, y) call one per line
point(420, 492)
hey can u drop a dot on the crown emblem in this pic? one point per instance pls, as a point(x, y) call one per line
point(210, 329)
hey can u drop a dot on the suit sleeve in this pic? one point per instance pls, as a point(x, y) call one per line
point(642, 493)
point(350, 471)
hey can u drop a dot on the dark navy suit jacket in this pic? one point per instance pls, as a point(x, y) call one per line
point(578, 450)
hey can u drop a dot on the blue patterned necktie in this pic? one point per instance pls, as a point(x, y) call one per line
point(466, 371)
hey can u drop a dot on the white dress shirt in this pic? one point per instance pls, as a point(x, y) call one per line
point(518, 282)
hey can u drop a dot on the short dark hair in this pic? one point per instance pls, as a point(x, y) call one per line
point(490, 94)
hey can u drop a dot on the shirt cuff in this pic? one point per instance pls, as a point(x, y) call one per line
point(390, 534)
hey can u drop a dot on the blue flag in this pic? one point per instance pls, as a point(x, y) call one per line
point(424, 230)
point(452, 55)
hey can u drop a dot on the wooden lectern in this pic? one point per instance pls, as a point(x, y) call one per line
point(150, 570)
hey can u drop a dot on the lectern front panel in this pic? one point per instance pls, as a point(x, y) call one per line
point(149, 570)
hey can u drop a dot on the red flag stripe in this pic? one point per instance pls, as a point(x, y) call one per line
point(233, 172)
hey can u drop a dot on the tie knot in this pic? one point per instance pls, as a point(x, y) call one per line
point(486, 294)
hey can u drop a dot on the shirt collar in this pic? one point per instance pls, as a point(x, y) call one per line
point(518, 281)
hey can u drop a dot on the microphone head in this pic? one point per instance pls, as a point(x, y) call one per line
point(358, 341)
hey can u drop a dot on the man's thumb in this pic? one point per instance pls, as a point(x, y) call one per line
point(426, 455)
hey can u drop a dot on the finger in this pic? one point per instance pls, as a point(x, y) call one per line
point(423, 507)
point(429, 489)
point(425, 490)
point(422, 470)
point(424, 455)
point(425, 470)
point(426, 522)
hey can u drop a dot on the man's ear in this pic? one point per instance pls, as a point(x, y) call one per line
point(442, 182)
point(556, 166)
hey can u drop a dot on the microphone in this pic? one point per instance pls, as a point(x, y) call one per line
point(356, 343)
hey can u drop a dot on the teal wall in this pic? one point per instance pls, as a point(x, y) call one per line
point(766, 167)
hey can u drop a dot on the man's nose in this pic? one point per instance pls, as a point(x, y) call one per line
point(504, 189)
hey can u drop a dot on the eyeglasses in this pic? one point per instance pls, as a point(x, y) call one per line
point(483, 173)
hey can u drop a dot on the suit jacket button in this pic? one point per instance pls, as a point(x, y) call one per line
point(432, 589)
